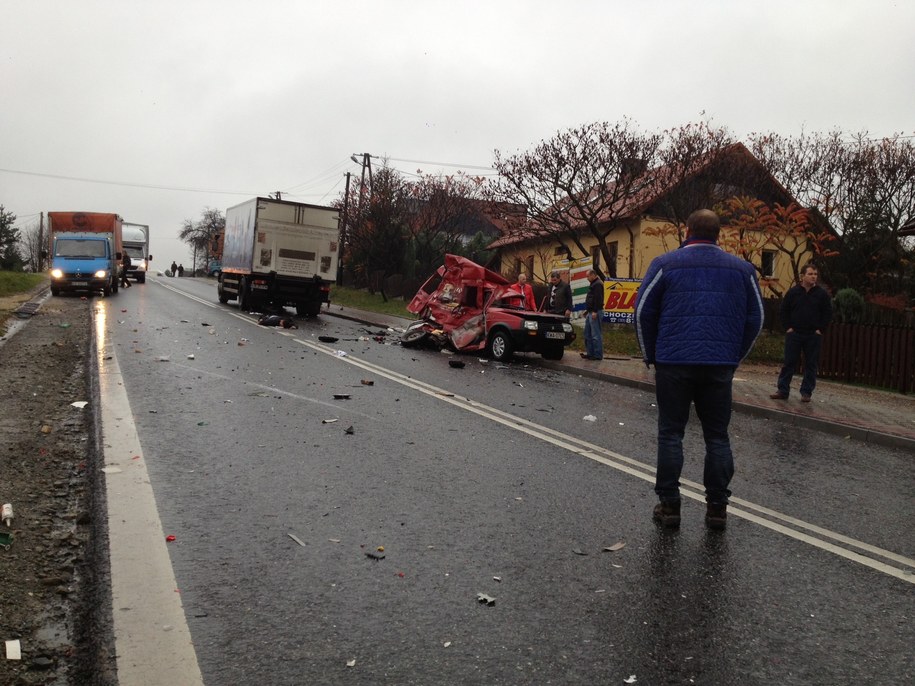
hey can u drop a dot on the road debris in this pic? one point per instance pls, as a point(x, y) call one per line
point(329, 421)
point(342, 396)
point(296, 539)
point(579, 551)
point(349, 431)
point(457, 364)
point(13, 650)
point(375, 555)
point(350, 663)
point(6, 540)
point(589, 418)
point(170, 538)
point(80, 403)
point(340, 353)
point(367, 382)
point(613, 548)
point(191, 356)
point(6, 514)
point(486, 599)
point(630, 680)
point(328, 339)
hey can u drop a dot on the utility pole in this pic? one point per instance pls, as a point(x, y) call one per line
point(366, 164)
point(344, 232)
point(40, 261)
point(277, 195)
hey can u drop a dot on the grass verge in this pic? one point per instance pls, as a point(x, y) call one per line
point(15, 289)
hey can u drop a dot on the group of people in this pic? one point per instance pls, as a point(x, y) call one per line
point(177, 269)
point(698, 313)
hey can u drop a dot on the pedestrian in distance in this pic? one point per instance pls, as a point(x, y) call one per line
point(698, 313)
point(805, 313)
point(559, 300)
point(174, 268)
point(527, 291)
point(180, 270)
point(594, 312)
point(126, 264)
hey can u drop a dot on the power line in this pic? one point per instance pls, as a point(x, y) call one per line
point(128, 184)
point(443, 164)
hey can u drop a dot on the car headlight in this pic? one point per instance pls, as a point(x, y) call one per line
point(567, 327)
point(142, 264)
point(57, 273)
point(530, 325)
point(101, 274)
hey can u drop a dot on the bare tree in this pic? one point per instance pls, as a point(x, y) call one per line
point(200, 235)
point(31, 245)
point(579, 183)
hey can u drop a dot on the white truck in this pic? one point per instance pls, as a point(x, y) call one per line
point(136, 244)
point(279, 253)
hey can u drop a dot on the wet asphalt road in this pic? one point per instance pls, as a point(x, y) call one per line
point(504, 479)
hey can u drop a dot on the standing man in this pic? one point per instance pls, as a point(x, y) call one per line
point(527, 291)
point(126, 263)
point(594, 311)
point(698, 313)
point(560, 298)
point(806, 311)
point(174, 269)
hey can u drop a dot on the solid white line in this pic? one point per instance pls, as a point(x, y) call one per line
point(151, 636)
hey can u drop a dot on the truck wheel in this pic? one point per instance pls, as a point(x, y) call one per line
point(107, 290)
point(220, 291)
point(414, 337)
point(308, 309)
point(243, 300)
point(500, 346)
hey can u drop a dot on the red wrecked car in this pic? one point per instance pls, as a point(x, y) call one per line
point(470, 308)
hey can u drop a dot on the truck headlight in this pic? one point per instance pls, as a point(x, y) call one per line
point(101, 274)
point(142, 264)
point(567, 327)
point(57, 273)
point(530, 325)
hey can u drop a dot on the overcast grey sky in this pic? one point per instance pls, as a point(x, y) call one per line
point(157, 110)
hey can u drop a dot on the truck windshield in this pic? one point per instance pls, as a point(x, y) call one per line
point(135, 253)
point(75, 247)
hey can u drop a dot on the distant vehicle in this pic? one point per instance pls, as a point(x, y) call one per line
point(136, 244)
point(85, 251)
point(214, 268)
point(470, 308)
point(278, 253)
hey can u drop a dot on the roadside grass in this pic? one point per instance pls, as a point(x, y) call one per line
point(363, 300)
point(15, 289)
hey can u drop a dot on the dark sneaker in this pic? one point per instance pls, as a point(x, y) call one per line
point(716, 516)
point(667, 513)
point(805, 398)
point(778, 395)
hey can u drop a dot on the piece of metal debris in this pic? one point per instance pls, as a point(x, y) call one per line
point(329, 421)
point(349, 431)
point(341, 396)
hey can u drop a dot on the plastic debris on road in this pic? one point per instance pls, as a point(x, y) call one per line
point(375, 555)
point(80, 403)
point(485, 599)
point(191, 356)
point(296, 539)
point(350, 663)
point(329, 421)
point(6, 540)
point(589, 418)
point(170, 538)
point(340, 353)
point(349, 431)
point(367, 382)
point(630, 680)
point(613, 548)
point(13, 650)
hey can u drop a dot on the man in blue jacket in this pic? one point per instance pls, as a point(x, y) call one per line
point(698, 312)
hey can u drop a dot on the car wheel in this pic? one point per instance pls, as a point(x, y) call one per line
point(554, 353)
point(500, 346)
point(55, 290)
point(141, 277)
point(413, 337)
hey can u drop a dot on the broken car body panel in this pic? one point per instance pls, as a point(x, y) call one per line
point(472, 308)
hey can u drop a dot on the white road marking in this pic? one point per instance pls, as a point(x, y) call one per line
point(151, 636)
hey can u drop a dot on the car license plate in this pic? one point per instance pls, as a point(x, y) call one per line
point(79, 283)
point(555, 334)
point(259, 286)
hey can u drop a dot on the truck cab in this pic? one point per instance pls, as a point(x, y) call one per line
point(84, 261)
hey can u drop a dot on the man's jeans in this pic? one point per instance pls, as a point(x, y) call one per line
point(795, 343)
point(709, 387)
point(594, 339)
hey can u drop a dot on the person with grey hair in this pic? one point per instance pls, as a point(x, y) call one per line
point(559, 300)
point(594, 311)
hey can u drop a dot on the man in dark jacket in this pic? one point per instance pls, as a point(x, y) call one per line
point(559, 301)
point(806, 311)
point(698, 312)
point(594, 311)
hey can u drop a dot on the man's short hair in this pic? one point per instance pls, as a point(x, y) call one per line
point(809, 265)
point(704, 225)
point(554, 274)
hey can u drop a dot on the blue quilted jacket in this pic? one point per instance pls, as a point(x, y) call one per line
point(698, 305)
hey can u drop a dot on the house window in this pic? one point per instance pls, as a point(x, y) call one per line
point(768, 263)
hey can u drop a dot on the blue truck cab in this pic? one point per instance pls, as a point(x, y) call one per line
point(84, 261)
